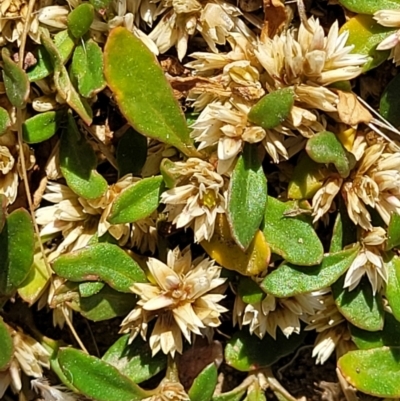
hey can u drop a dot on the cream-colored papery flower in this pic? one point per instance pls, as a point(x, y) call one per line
point(179, 298)
point(390, 19)
point(79, 219)
point(369, 261)
point(52, 393)
point(375, 182)
point(213, 19)
point(267, 315)
point(29, 356)
point(169, 390)
point(330, 326)
point(323, 198)
point(308, 62)
point(197, 199)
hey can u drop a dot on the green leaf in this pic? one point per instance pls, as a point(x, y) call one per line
point(360, 307)
point(105, 305)
point(97, 379)
point(256, 393)
point(204, 384)
point(42, 126)
point(393, 231)
point(16, 81)
point(5, 121)
point(370, 6)
point(65, 44)
point(373, 339)
point(308, 177)
point(272, 109)
point(392, 264)
point(87, 68)
point(100, 4)
point(342, 237)
point(249, 291)
point(131, 153)
point(90, 288)
point(291, 237)
point(6, 345)
point(289, 280)
point(36, 282)
point(63, 83)
point(247, 352)
point(365, 34)
point(389, 105)
point(144, 95)
point(234, 395)
point(80, 19)
point(375, 371)
point(326, 148)
point(17, 245)
point(3, 209)
point(100, 262)
point(137, 201)
point(78, 163)
point(247, 197)
point(135, 360)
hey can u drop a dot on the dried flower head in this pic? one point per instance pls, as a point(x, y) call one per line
point(52, 393)
point(391, 19)
point(197, 199)
point(169, 390)
point(179, 298)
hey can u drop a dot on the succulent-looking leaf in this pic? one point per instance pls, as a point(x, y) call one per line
point(249, 291)
point(390, 103)
point(104, 305)
point(308, 177)
point(247, 352)
point(16, 81)
point(131, 153)
point(87, 68)
point(97, 379)
point(42, 126)
point(272, 109)
point(344, 231)
point(370, 6)
point(291, 237)
point(326, 148)
point(135, 360)
point(289, 280)
point(5, 121)
point(90, 288)
point(375, 371)
point(78, 163)
point(228, 254)
point(360, 307)
point(393, 285)
point(17, 245)
point(6, 346)
point(137, 201)
point(80, 19)
point(100, 262)
point(204, 384)
point(63, 83)
point(36, 282)
point(142, 91)
point(389, 335)
point(365, 34)
point(393, 231)
point(247, 197)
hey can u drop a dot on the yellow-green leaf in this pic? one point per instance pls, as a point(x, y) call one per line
point(142, 91)
point(204, 384)
point(370, 6)
point(6, 344)
point(80, 19)
point(5, 121)
point(42, 126)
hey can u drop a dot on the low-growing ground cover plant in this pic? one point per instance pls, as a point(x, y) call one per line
point(215, 183)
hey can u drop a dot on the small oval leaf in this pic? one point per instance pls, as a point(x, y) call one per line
point(204, 384)
point(247, 197)
point(375, 371)
point(137, 201)
point(326, 148)
point(78, 163)
point(289, 280)
point(272, 109)
point(100, 262)
point(249, 291)
point(6, 344)
point(135, 360)
point(393, 284)
point(144, 95)
point(97, 379)
point(80, 19)
point(360, 307)
point(5, 121)
point(291, 237)
point(42, 126)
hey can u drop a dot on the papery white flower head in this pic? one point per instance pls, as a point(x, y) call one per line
point(390, 19)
